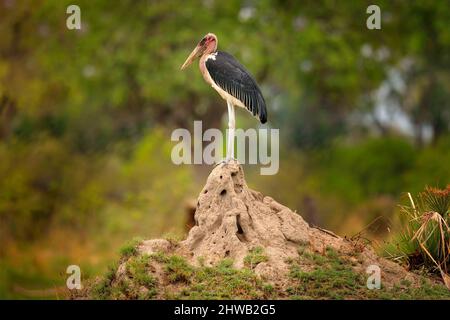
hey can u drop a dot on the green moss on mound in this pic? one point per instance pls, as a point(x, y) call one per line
point(333, 277)
point(329, 276)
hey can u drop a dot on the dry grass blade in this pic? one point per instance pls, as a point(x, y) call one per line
point(425, 240)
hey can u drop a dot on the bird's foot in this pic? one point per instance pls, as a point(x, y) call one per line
point(227, 160)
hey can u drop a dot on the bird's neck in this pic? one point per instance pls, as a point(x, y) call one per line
point(203, 70)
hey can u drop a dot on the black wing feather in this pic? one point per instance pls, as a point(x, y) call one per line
point(232, 77)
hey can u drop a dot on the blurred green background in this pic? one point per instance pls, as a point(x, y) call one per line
point(86, 117)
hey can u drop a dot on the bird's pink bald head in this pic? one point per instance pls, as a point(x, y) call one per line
point(207, 45)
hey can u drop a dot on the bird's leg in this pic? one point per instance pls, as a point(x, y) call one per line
point(231, 127)
point(230, 138)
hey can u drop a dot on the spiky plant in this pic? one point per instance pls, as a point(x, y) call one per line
point(425, 240)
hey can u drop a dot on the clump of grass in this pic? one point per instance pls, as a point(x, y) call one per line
point(221, 281)
point(331, 278)
point(138, 283)
point(102, 289)
point(334, 278)
point(160, 257)
point(404, 291)
point(130, 248)
point(425, 239)
point(225, 282)
point(178, 269)
point(138, 270)
point(254, 257)
point(173, 238)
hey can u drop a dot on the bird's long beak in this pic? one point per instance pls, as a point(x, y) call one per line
point(194, 54)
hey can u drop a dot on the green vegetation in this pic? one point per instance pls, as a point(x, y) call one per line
point(138, 271)
point(425, 240)
point(92, 213)
point(102, 289)
point(178, 269)
point(188, 282)
point(333, 277)
point(138, 283)
point(330, 276)
point(255, 256)
point(223, 282)
point(130, 249)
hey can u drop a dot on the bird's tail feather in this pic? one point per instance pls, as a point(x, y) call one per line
point(262, 110)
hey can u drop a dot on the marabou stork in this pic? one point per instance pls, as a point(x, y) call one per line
point(231, 80)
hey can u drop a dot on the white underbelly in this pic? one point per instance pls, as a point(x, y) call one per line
point(228, 97)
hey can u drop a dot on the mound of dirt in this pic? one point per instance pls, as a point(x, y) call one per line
point(233, 222)
point(232, 219)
